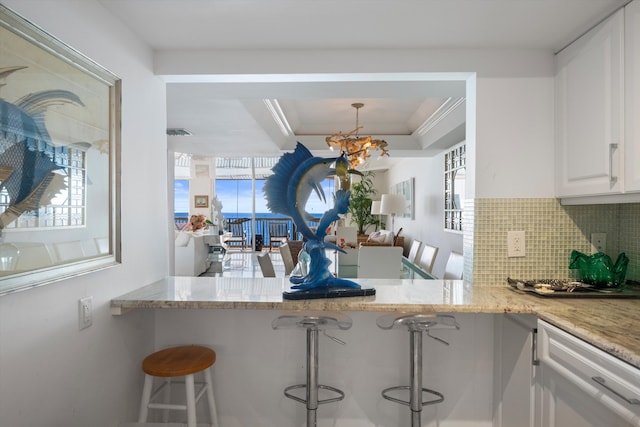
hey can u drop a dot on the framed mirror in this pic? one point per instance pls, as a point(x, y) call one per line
point(59, 159)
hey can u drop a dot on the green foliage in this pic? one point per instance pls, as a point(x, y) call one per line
point(360, 203)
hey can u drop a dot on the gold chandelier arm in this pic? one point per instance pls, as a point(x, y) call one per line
point(356, 147)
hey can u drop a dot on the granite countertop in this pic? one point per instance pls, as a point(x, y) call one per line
point(608, 324)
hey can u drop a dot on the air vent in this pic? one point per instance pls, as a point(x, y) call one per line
point(178, 132)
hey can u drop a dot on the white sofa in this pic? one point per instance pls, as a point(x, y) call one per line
point(191, 253)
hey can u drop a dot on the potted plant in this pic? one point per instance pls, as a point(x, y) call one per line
point(360, 203)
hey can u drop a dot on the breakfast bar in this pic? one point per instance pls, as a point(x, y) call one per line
point(609, 324)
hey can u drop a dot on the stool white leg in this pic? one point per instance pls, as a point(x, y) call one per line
point(213, 413)
point(167, 399)
point(191, 400)
point(146, 395)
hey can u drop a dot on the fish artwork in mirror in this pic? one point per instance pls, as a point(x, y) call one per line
point(287, 190)
point(59, 159)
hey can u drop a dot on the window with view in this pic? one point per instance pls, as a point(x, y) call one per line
point(454, 188)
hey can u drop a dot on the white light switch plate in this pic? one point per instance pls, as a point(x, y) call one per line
point(85, 312)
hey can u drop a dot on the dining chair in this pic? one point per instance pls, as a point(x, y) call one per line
point(33, 255)
point(428, 257)
point(287, 258)
point(380, 262)
point(454, 267)
point(68, 251)
point(264, 259)
point(278, 233)
point(413, 251)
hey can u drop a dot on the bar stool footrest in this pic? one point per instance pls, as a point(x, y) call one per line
point(439, 396)
point(320, 401)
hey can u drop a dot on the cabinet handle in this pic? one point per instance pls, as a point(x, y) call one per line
point(534, 347)
point(612, 178)
point(602, 382)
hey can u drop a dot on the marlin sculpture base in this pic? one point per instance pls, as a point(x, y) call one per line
point(328, 292)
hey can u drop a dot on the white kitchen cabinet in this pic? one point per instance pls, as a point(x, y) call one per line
point(515, 370)
point(589, 112)
point(581, 385)
point(632, 96)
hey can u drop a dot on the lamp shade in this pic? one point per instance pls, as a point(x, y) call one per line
point(392, 204)
point(375, 207)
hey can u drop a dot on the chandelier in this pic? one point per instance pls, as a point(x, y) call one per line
point(355, 146)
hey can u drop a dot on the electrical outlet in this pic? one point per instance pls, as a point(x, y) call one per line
point(85, 312)
point(599, 242)
point(515, 244)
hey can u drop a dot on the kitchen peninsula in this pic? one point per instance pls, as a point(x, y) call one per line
point(256, 362)
point(609, 324)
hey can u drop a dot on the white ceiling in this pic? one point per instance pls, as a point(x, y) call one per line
point(226, 119)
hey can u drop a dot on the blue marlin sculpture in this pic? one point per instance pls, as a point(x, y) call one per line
point(287, 191)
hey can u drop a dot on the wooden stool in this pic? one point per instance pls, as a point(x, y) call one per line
point(183, 361)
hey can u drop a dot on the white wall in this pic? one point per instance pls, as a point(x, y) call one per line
point(514, 138)
point(51, 374)
point(429, 204)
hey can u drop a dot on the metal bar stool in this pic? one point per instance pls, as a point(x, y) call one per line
point(183, 361)
point(416, 324)
point(313, 324)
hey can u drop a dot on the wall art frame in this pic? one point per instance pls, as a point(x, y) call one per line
point(407, 189)
point(59, 163)
point(201, 201)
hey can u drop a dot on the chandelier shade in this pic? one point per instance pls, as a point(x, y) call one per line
point(354, 145)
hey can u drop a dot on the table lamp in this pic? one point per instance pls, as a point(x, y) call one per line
point(375, 207)
point(393, 204)
point(375, 211)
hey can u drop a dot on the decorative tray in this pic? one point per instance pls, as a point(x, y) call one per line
point(566, 288)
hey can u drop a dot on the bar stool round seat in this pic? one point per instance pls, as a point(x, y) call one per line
point(416, 324)
point(313, 324)
point(183, 361)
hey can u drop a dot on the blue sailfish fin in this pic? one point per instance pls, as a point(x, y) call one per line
point(276, 186)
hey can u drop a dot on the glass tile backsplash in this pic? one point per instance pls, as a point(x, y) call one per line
point(552, 231)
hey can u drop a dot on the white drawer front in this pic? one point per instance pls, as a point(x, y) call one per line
point(613, 382)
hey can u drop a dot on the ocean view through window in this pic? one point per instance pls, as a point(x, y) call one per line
point(237, 184)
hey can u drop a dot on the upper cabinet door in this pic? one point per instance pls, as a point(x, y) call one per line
point(589, 112)
point(632, 97)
